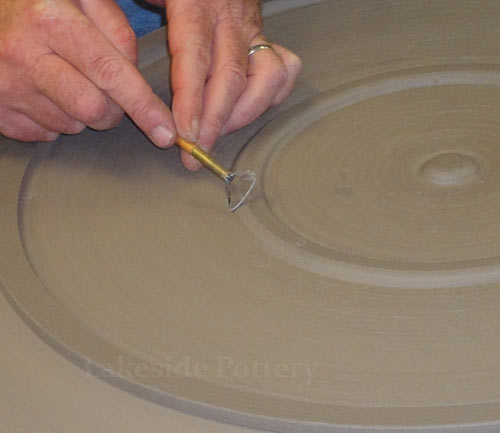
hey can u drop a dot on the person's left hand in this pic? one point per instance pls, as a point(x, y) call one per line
point(216, 87)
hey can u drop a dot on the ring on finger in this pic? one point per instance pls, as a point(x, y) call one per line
point(254, 48)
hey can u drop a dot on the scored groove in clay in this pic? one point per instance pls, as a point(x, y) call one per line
point(369, 254)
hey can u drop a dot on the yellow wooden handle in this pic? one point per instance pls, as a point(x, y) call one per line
point(186, 145)
point(204, 158)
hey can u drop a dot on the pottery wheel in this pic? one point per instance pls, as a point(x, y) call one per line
point(360, 286)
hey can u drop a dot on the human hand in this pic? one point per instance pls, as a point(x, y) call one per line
point(216, 87)
point(67, 64)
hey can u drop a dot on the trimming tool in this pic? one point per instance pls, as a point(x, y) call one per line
point(233, 180)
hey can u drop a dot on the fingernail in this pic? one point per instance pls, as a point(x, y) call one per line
point(162, 136)
point(204, 147)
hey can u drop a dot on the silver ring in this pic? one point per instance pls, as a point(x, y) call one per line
point(253, 49)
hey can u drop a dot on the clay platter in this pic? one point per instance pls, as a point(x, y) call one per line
point(357, 291)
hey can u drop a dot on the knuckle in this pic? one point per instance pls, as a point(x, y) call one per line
point(246, 116)
point(202, 52)
point(277, 77)
point(27, 134)
point(113, 117)
point(125, 36)
point(74, 127)
point(8, 48)
point(214, 123)
point(236, 75)
point(198, 49)
point(42, 10)
point(48, 136)
point(294, 63)
point(14, 48)
point(44, 16)
point(141, 107)
point(106, 69)
point(91, 110)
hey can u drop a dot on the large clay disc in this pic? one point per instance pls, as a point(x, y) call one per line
point(358, 290)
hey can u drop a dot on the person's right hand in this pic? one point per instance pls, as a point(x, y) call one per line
point(68, 64)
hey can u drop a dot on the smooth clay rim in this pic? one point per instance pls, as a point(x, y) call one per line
point(43, 314)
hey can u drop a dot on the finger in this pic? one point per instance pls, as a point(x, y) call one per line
point(223, 88)
point(267, 76)
point(89, 51)
point(228, 78)
point(190, 30)
point(189, 162)
point(73, 93)
point(110, 19)
point(43, 111)
point(293, 65)
point(19, 127)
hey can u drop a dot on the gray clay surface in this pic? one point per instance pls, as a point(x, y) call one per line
point(358, 290)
